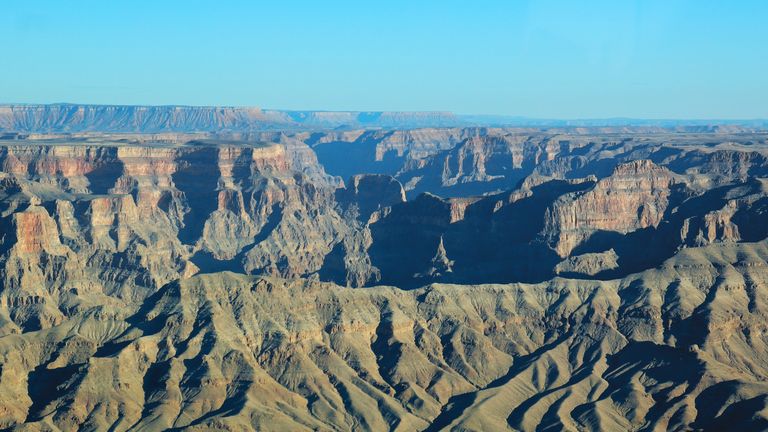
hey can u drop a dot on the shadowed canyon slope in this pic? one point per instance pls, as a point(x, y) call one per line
point(509, 279)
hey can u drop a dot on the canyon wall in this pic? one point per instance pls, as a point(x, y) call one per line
point(509, 279)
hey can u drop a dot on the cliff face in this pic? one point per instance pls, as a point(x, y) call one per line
point(479, 164)
point(139, 217)
point(381, 152)
point(169, 210)
point(634, 197)
point(580, 227)
point(474, 161)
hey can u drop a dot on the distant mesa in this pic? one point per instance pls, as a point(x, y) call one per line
point(63, 118)
point(74, 118)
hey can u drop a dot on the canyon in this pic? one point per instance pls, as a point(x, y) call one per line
point(212, 268)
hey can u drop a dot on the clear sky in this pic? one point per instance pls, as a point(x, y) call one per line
point(548, 58)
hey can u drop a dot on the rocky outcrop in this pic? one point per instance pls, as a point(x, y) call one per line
point(588, 264)
point(730, 210)
point(634, 197)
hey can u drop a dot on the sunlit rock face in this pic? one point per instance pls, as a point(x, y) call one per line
point(139, 216)
point(633, 197)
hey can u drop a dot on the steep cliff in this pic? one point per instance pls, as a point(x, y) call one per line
point(381, 152)
point(124, 220)
point(474, 161)
point(634, 197)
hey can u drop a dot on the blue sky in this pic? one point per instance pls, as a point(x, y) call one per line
point(548, 58)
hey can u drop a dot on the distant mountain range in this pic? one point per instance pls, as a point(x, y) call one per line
point(73, 118)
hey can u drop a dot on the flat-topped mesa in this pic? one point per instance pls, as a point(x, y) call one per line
point(66, 118)
point(252, 158)
point(127, 118)
point(635, 196)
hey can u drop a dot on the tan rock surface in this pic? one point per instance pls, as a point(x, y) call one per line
point(660, 349)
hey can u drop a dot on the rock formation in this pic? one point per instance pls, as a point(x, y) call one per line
point(678, 347)
point(508, 279)
point(634, 197)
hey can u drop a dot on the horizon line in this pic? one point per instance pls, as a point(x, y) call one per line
point(457, 114)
